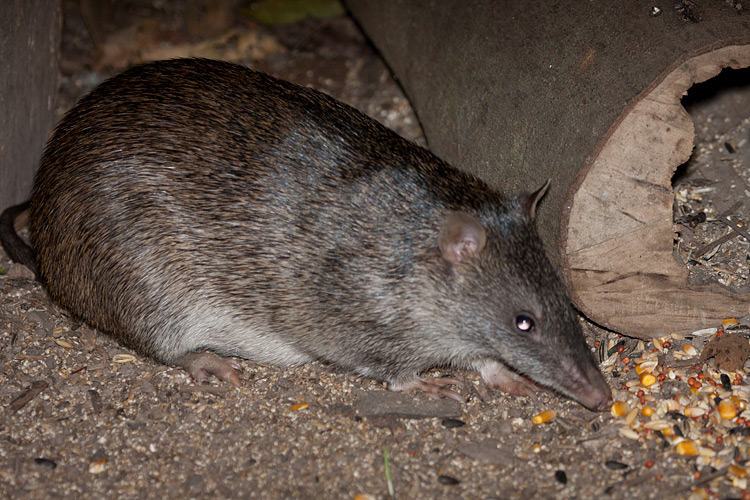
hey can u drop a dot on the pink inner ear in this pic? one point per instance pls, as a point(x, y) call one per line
point(462, 236)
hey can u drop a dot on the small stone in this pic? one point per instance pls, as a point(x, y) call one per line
point(488, 451)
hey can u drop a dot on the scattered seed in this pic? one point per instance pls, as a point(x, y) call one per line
point(615, 348)
point(629, 433)
point(45, 463)
point(729, 323)
point(561, 477)
point(676, 416)
point(727, 409)
point(648, 379)
point(686, 448)
point(98, 466)
point(448, 480)
point(632, 415)
point(704, 332)
point(645, 367)
point(451, 423)
point(543, 417)
point(364, 496)
point(690, 350)
point(298, 406)
point(694, 411)
point(725, 382)
point(123, 358)
point(658, 425)
point(615, 465)
point(63, 343)
point(619, 409)
point(657, 344)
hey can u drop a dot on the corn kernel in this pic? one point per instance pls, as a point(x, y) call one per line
point(619, 409)
point(647, 411)
point(729, 323)
point(737, 471)
point(537, 448)
point(648, 379)
point(686, 448)
point(669, 431)
point(543, 417)
point(727, 409)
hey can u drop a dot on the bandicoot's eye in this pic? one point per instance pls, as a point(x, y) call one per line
point(524, 323)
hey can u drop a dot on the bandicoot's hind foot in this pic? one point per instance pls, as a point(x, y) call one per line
point(201, 365)
point(434, 387)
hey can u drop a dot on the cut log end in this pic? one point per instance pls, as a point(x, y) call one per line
point(618, 236)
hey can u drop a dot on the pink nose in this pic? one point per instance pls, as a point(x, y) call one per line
point(597, 396)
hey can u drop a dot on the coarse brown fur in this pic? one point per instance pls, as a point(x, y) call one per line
point(194, 204)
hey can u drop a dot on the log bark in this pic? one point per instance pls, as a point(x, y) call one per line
point(29, 50)
point(588, 94)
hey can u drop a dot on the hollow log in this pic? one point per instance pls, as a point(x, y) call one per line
point(589, 95)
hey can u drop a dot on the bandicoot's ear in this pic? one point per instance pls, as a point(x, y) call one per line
point(530, 201)
point(461, 236)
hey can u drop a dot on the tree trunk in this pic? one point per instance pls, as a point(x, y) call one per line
point(587, 94)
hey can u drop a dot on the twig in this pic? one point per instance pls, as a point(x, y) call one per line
point(729, 236)
point(703, 480)
point(27, 395)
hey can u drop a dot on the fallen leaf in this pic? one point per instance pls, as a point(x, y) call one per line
point(730, 351)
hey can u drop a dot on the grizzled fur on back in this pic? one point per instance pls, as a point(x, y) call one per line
point(195, 204)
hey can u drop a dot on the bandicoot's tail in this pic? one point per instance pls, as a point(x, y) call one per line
point(14, 246)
